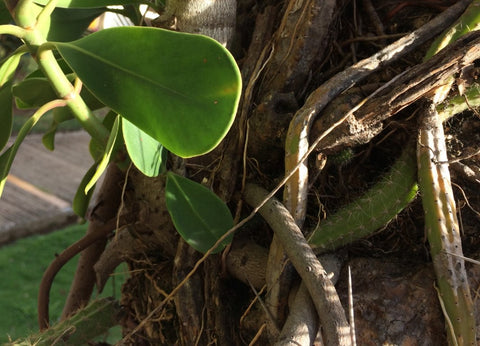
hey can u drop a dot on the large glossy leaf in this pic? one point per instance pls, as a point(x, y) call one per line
point(6, 116)
point(181, 89)
point(199, 216)
point(69, 24)
point(89, 3)
point(66, 24)
point(147, 154)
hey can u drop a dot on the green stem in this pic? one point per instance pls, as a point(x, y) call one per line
point(443, 229)
point(441, 222)
point(9, 29)
point(41, 51)
point(377, 207)
point(46, 12)
point(457, 104)
point(23, 13)
point(468, 22)
point(46, 60)
point(373, 210)
point(64, 89)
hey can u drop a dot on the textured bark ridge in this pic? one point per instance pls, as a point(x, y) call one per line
point(213, 18)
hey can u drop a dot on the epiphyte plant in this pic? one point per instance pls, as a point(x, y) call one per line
point(165, 90)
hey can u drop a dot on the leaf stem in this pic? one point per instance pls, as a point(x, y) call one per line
point(46, 12)
point(65, 90)
point(41, 52)
point(22, 13)
point(9, 29)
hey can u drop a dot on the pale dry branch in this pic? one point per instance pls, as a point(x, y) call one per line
point(331, 314)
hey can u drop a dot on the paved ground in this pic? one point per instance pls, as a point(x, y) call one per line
point(41, 185)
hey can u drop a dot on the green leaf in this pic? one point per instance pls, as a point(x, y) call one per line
point(97, 148)
point(147, 154)
point(89, 3)
point(82, 199)
point(106, 156)
point(181, 89)
point(7, 70)
point(48, 138)
point(33, 93)
point(6, 116)
point(69, 24)
point(60, 115)
point(5, 16)
point(66, 24)
point(199, 216)
point(6, 159)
